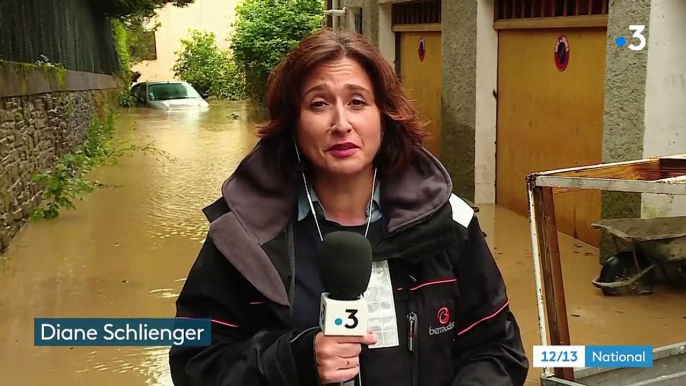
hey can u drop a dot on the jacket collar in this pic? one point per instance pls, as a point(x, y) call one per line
point(263, 200)
point(304, 206)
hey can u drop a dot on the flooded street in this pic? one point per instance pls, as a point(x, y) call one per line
point(122, 253)
point(125, 253)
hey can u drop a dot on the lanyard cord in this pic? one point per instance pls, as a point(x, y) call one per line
point(314, 214)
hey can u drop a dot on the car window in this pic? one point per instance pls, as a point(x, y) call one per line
point(172, 90)
point(141, 92)
point(134, 90)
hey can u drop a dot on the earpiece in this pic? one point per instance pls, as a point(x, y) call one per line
point(297, 152)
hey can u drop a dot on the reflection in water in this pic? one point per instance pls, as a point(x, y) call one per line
point(148, 362)
point(123, 253)
point(218, 143)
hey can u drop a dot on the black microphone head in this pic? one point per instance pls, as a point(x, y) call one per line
point(345, 265)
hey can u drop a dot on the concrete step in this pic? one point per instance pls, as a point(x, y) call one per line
point(676, 379)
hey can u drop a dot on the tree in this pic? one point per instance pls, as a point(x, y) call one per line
point(264, 32)
point(123, 8)
point(207, 67)
point(133, 40)
point(140, 37)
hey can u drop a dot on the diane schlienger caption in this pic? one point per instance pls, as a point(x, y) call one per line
point(121, 332)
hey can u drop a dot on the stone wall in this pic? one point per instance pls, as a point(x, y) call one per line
point(36, 129)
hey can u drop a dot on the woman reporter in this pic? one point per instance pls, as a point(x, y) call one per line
point(342, 151)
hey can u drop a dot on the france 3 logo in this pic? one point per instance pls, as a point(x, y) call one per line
point(351, 318)
point(639, 38)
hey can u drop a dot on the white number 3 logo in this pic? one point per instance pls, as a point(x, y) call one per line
point(638, 34)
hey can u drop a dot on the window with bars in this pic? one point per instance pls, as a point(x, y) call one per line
point(530, 9)
point(417, 12)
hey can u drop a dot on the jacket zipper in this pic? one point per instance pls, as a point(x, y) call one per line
point(412, 225)
point(412, 346)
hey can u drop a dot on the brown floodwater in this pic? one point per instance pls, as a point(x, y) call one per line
point(125, 252)
point(654, 320)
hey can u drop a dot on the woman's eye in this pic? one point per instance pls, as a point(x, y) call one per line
point(358, 102)
point(318, 104)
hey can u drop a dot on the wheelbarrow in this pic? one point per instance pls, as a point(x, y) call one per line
point(643, 245)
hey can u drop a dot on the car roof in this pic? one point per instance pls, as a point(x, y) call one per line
point(162, 82)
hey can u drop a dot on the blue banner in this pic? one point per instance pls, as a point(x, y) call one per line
point(121, 332)
point(619, 356)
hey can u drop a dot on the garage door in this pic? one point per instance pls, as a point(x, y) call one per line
point(418, 61)
point(551, 76)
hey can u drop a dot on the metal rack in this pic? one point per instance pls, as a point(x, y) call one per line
point(657, 175)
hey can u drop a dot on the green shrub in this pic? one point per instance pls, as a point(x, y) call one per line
point(121, 46)
point(264, 32)
point(207, 67)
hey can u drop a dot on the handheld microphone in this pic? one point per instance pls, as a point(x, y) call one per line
point(345, 270)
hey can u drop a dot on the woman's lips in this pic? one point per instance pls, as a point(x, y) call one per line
point(342, 150)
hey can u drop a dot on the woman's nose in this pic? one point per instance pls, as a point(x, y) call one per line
point(341, 122)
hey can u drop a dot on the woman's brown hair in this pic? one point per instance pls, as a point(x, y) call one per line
point(403, 127)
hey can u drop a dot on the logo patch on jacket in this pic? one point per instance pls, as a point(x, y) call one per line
point(444, 322)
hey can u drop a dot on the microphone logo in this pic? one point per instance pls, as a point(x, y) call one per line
point(353, 322)
point(343, 317)
point(443, 316)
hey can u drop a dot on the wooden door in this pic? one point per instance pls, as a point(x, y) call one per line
point(420, 73)
point(548, 118)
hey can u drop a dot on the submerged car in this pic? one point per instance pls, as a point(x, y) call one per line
point(168, 95)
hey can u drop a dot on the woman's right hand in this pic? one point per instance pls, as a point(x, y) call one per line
point(338, 356)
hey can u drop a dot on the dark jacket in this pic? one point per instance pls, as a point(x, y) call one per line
point(441, 268)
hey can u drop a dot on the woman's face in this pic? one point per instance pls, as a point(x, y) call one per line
point(339, 130)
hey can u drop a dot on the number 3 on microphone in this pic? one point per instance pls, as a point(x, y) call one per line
point(353, 322)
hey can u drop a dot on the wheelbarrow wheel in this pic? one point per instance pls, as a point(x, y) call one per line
point(621, 267)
